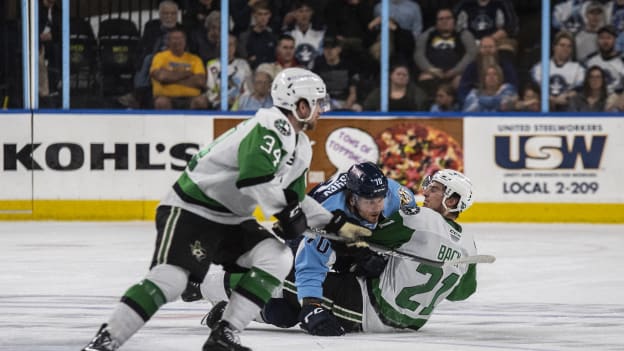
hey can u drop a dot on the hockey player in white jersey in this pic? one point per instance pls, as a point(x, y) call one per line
point(207, 217)
point(406, 292)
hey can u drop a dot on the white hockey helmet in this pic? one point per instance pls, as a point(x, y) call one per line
point(454, 183)
point(294, 84)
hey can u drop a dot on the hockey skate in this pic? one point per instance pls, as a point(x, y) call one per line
point(192, 292)
point(223, 338)
point(214, 315)
point(102, 341)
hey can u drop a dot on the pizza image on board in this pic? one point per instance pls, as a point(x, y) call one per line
point(409, 152)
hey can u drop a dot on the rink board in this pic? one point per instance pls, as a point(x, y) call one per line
point(103, 166)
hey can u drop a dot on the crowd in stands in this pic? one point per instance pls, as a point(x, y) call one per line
point(464, 55)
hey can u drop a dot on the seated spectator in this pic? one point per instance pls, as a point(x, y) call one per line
point(404, 13)
point(609, 59)
point(530, 98)
point(239, 76)
point(614, 11)
point(495, 18)
point(259, 96)
point(586, 39)
point(153, 40)
point(493, 95)
point(593, 97)
point(50, 23)
point(566, 76)
point(404, 95)
point(445, 99)
point(257, 44)
point(340, 77)
point(284, 56)
point(488, 54)
point(442, 53)
point(308, 41)
point(178, 76)
point(567, 16)
point(205, 40)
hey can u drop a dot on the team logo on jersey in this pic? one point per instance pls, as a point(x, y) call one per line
point(198, 251)
point(411, 210)
point(283, 127)
point(404, 196)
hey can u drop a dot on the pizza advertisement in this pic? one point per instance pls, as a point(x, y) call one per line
point(407, 149)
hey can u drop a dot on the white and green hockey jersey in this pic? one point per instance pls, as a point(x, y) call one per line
point(249, 165)
point(406, 293)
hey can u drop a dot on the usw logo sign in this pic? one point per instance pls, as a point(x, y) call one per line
point(549, 151)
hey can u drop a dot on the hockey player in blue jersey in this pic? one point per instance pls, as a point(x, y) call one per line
point(365, 196)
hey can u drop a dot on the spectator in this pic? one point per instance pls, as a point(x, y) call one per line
point(614, 11)
point(492, 95)
point(445, 99)
point(568, 16)
point(488, 54)
point(404, 13)
point(609, 59)
point(177, 76)
point(339, 75)
point(284, 56)
point(259, 96)
point(308, 41)
point(586, 39)
point(495, 18)
point(50, 24)
point(257, 44)
point(565, 75)
point(239, 76)
point(442, 53)
point(404, 95)
point(529, 100)
point(205, 40)
point(152, 41)
point(593, 97)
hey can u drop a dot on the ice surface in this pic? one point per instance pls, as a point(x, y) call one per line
point(553, 287)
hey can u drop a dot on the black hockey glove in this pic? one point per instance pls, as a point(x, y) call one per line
point(292, 221)
point(340, 225)
point(370, 264)
point(316, 320)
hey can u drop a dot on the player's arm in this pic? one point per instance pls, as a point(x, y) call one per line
point(467, 285)
point(313, 260)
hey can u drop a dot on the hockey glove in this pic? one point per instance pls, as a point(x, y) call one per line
point(316, 320)
point(370, 265)
point(340, 225)
point(292, 221)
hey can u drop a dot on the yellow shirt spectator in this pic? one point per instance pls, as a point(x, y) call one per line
point(187, 62)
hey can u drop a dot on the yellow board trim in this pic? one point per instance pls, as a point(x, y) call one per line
point(118, 210)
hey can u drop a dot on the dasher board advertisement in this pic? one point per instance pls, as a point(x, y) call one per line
point(546, 160)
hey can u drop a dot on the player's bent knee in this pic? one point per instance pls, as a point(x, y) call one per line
point(170, 279)
point(273, 256)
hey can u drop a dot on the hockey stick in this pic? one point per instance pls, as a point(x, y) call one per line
point(405, 255)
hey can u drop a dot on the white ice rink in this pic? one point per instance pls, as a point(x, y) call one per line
point(553, 287)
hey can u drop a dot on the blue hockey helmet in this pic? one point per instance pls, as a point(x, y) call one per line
point(366, 180)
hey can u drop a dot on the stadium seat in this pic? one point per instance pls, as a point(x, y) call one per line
point(118, 45)
point(83, 60)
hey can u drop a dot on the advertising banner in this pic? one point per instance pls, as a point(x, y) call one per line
point(406, 148)
point(98, 157)
point(544, 159)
